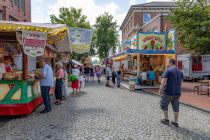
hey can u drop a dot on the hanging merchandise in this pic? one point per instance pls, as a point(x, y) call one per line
point(80, 39)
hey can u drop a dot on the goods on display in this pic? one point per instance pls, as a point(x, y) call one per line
point(20, 52)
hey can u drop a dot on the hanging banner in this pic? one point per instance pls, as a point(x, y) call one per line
point(151, 41)
point(133, 42)
point(33, 42)
point(171, 40)
point(126, 45)
point(80, 39)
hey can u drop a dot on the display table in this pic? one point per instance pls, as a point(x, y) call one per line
point(127, 75)
point(19, 97)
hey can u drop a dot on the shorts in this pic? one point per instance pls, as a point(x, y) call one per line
point(166, 100)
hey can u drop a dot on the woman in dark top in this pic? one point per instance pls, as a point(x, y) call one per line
point(119, 76)
point(114, 75)
point(87, 73)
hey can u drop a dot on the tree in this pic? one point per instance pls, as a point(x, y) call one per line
point(106, 34)
point(73, 17)
point(191, 20)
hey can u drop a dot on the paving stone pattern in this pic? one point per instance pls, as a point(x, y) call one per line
point(101, 113)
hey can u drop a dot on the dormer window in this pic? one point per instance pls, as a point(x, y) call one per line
point(147, 17)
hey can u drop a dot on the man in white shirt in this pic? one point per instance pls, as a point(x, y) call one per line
point(143, 77)
point(108, 74)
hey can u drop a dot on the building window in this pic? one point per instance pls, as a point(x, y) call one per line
point(1, 15)
point(23, 5)
point(147, 17)
point(12, 18)
point(16, 3)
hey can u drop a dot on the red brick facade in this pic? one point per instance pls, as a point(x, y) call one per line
point(160, 23)
point(10, 11)
point(134, 19)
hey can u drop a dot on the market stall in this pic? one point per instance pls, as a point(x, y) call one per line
point(21, 46)
point(152, 50)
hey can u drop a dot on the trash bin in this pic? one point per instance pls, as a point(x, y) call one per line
point(132, 83)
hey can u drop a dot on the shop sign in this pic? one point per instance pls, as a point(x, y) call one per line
point(171, 40)
point(126, 45)
point(33, 42)
point(151, 41)
point(133, 42)
point(80, 39)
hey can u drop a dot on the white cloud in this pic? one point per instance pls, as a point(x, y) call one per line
point(132, 2)
point(89, 8)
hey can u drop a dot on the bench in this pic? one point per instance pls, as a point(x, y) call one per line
point(148, 82)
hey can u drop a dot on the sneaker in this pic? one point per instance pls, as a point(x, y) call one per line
point(164, 121)
point(44, 111)
point(175, 124)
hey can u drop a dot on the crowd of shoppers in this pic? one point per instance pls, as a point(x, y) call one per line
point(61, 83)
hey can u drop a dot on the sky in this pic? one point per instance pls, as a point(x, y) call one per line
point(42, 9)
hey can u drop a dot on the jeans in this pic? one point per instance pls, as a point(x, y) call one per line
point(58, 89)
point(118, 80)
point(45, 90)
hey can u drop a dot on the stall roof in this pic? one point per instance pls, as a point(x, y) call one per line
point(144, 52)
point(14, 26)
point(57, 33)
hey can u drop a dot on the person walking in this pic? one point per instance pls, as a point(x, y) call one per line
point(170, 91)
point(108, 75)
point(81, 78)
point(65, 84)
point(92, 73)
point(98, 73)
point(114, 75)
point(87, 73)
point(119, 76)
point(59, 83)
point(75, 83)
point(46, 83)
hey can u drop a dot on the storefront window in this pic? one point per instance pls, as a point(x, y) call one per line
point(1, 15)
point(23, 7)
point(16, 3)
point(12, 18)
point(147, 17)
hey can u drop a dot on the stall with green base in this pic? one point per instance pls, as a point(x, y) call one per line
point(20, 90)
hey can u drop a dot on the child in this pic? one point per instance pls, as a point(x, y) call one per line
point(75, 83)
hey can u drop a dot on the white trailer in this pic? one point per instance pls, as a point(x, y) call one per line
point(194, 67)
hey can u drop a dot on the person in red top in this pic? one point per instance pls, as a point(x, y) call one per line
point(7, 62)
point(59, 83)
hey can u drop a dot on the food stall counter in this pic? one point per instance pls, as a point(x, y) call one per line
point(19, 96)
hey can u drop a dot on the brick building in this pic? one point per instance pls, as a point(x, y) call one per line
point(141, 14)
point(160, 23)
point(15, 10)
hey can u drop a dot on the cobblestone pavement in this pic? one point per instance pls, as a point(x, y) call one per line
point(101, 113)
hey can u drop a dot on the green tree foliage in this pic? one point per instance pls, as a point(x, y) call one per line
point(106, 34)
point(192, 22)
point(73, 17)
